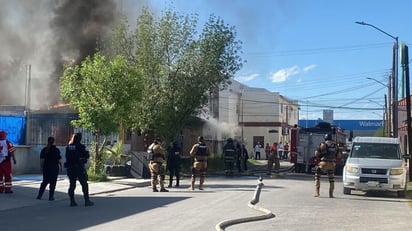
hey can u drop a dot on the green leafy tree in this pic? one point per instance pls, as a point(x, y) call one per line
point(179, 67)
point(102, 91)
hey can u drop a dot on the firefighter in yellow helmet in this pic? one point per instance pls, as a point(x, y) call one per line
point(199, 152)
point(157, 171)
point(327, 153)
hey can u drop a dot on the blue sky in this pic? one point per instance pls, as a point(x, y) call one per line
point(312, 50)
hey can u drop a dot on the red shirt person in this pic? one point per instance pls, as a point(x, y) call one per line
point(6, 154)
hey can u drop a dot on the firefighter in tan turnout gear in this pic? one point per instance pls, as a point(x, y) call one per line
point(157, 171)
point(327, 153)
point(199, 152)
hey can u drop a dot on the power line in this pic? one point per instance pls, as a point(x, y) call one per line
point(318, 50)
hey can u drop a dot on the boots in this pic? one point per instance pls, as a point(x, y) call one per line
point(72, 202)
point(202, 180)
point(40, 194)
point(177, 182)
point(52, 188)
point(41, 191)
point(88, 203)
point(331, 188)
point(170, 182)
point(317, 188)
point(192, 184)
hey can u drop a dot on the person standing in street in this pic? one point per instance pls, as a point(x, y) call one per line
point(50, 164)
point(76, 159)
point(280, 150)
point(174, 162)
point(327, 153)
point(273, 158)
point(257, 150)
point(157, 172)
point(200, 153)
point(267, 151)
point(286, 151)
point(6, 155)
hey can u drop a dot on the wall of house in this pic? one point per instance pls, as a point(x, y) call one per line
point(28, 159)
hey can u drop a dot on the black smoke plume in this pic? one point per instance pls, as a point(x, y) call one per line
point(47, 34)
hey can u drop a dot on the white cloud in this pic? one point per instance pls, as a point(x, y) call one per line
point(283, 74)
point(246, 78)
point(308, 68)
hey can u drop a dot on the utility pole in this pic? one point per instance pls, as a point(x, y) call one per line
point(405, 64)
point(395, 87)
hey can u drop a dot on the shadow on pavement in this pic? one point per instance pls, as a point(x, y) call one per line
point(59, 215)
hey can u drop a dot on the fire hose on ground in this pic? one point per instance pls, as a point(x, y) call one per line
point(267, 214)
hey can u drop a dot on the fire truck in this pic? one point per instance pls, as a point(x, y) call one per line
point(305, 141)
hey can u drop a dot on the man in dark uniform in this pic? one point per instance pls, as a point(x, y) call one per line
point(76, 158)
point(173, 163)
point(229, 155)
point(327, 154)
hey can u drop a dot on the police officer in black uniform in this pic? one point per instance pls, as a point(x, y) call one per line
point(76, 158)
point(173, 163)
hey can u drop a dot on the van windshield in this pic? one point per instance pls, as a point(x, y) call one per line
point(375, 150)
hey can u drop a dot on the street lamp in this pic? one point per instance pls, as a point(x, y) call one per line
point(387, 110)
point(394, 79)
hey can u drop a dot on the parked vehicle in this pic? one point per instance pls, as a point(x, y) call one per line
point(375, 164)
point(304, 142)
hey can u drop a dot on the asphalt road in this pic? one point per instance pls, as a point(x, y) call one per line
point(288, 196)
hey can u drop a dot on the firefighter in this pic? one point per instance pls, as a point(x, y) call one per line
point(273, 158)
point(200, 153)
point(327, 153)
point(6, 154)
point(229, 156)
point(157, 171)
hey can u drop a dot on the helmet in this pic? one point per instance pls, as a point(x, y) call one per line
point(229, 140)
point(328, 136)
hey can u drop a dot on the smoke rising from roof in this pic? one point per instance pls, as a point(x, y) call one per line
point(46, 34)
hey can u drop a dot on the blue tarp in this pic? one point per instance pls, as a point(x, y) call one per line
point(14, 126)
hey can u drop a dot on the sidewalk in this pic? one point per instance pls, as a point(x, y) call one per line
point(25, 188)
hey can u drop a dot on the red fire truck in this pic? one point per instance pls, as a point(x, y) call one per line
point(305, 141)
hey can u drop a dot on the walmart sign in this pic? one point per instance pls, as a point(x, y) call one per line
point(366, 125)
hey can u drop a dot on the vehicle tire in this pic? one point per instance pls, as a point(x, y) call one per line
point(346, 191)
point(402, 193)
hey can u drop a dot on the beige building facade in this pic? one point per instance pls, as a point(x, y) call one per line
point(249, 115)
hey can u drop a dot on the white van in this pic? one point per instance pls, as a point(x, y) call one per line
point(375, 163)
